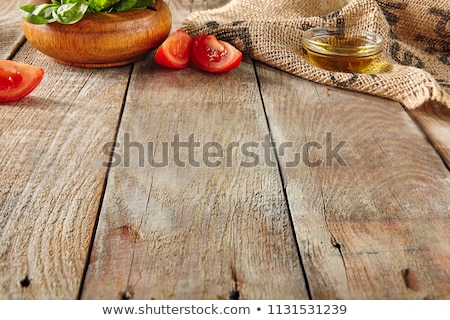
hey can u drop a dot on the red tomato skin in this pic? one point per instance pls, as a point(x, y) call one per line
point(213, 55)
point(175, 51)
point(17, 80)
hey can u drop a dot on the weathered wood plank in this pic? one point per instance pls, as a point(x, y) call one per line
point(193, 232)
point(52, 178)
point(12, 36)
point(375, 225)
point(434, 119)
point(179, 9)
point(216, 230)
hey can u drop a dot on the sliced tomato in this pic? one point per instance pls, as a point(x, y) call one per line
point(17, 80)
point(213, 55)
point(174, 51)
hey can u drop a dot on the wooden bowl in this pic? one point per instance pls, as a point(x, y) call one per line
point(102, 39)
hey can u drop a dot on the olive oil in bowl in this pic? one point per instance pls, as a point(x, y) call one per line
point(340, 51)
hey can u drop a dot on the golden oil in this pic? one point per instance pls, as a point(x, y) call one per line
point(353, 64)
point(349, 53)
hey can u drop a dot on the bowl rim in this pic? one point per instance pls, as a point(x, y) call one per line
point(93, 42)
point(317, 46)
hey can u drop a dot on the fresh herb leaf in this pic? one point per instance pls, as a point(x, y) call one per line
point(102, 5)
point(70, 11)
point(38, 13)
point(125, 5)
point(141, 4)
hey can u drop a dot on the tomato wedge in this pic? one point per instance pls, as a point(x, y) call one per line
point(174, 51)
point(17, 80)
point(213, 55)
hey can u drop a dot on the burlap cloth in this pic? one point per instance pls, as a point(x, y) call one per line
point(417, 35)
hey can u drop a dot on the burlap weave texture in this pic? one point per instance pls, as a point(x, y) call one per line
point(416, 32)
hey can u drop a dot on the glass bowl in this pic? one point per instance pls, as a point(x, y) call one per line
point(342, 51)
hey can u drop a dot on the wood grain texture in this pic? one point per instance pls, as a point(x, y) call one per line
point(434, 119)
point(11, 36)
point(193, 232)
point(375, 226)
point(52, 176)
point(199, 231)
point(232, 215)
point(179, 10)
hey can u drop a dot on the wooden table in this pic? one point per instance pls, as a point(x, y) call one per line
point(271, 187)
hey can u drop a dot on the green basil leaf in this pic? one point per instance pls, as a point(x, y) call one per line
point(125, 5)
point(102, 5)
point(140, 4)
point(80, 2)
point(38, 13)
point(70, 11)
